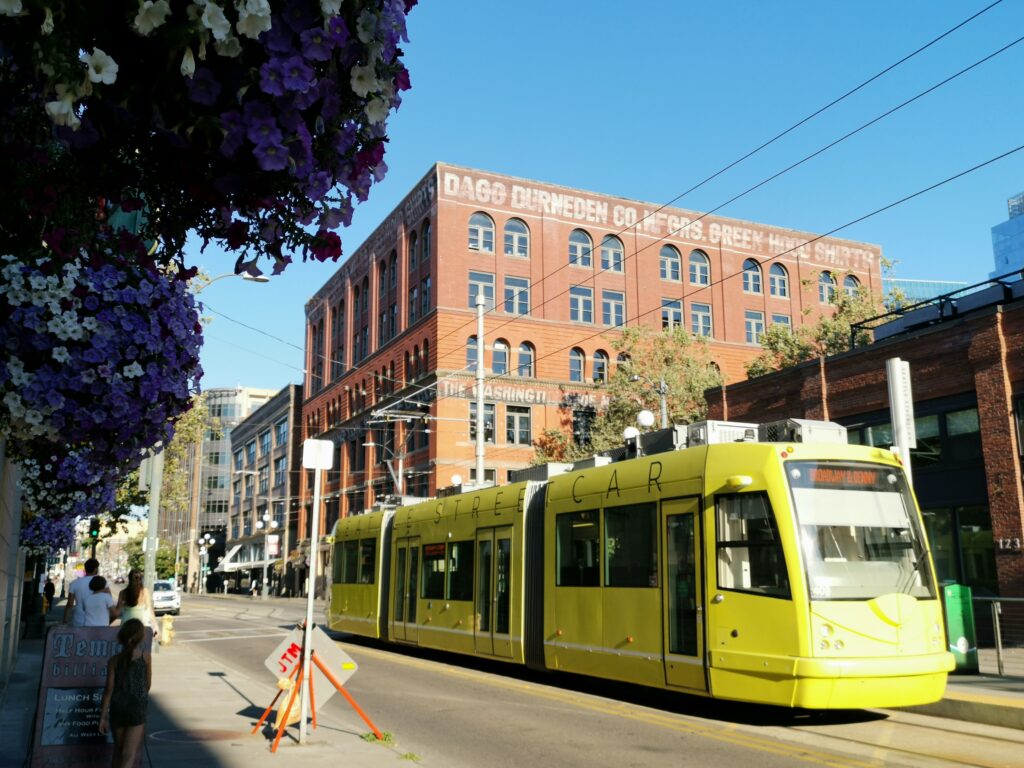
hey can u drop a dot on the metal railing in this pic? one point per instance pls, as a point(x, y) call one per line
point(999, 623)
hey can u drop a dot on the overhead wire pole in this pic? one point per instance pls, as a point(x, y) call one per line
point(480, 389)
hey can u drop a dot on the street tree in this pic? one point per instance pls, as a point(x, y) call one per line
point(647, 358)
point(182, 459)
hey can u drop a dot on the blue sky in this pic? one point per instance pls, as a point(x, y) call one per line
point(646, 99)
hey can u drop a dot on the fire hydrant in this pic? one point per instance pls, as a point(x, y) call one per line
point(166, 629)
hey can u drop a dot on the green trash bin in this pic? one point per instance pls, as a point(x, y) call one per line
point(963, 641)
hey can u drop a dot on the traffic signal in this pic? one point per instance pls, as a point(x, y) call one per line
point(94, 528)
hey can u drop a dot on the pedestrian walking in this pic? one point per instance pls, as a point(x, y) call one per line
point(98, 606)
point(48, 592)
point(254, 588)
point(126, 696)
point(135, 602)
point(79, 589)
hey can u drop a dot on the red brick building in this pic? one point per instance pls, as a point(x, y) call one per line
point(967, 377)
point(391, 335)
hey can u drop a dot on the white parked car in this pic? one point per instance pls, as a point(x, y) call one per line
point(166, 598)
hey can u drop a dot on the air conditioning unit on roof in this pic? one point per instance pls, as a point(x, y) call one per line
point(710, 432)
point(801, 431)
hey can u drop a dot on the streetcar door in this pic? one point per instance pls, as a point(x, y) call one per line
point(683, 601)
point(493, 597)
point(403, 611)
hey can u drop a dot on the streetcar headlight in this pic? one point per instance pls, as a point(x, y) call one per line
point(838, 645)
point(823, 645)
point(825, 630)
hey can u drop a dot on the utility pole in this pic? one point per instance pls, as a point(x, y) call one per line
point(480, 421)
point(156, 482)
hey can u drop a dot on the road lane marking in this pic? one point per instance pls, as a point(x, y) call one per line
point(234, 637)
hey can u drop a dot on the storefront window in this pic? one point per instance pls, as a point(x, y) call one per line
point(964, 435)
point(929, 443)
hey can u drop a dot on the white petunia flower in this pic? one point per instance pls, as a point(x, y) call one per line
point(10, 8)
point(102, 68)
point(253, 17)
point(213, 19)
point(229, 48)
point(364, 80)
point(376, 111)
point(330, 7)
point(152, 14)
point(366, 26)
point(47, 25)
point(62, 112)
point(60, 354)
point(132, 371)
point(188, 63)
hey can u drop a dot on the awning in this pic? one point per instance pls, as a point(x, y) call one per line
point(247, 565)
point(225, 561)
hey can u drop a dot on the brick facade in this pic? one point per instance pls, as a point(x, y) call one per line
point(977, 355)
point(393, 322)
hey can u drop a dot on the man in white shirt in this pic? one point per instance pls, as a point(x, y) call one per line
point(98, 606)
point(79, 589)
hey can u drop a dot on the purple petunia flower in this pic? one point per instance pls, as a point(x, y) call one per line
point(203, 87)
point(271, 156)
point(318, 185)
point(262, 129)
point(298, 75)
point(272, 75)
point(337, 30)
point(316, 44)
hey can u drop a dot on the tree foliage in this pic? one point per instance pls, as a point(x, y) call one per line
point(672, 356)
point(782, 346)
point(137, 558)
point(180, 457)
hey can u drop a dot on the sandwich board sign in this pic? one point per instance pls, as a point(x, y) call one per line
point(288, 655)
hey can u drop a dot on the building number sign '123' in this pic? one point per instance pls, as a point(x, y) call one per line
point(1009, 545)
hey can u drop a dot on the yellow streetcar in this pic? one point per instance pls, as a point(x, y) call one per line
point(787, 573)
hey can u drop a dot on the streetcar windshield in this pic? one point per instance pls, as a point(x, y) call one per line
point(859, 532)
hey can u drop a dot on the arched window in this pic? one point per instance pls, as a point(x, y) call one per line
point(611, 253)
point(426, 355)
point(499, 358)
point(366, 296)
point(524, 366)
point(600, 367)
point(778, 281)
point(471, 349)
point(851, 285)
point(576, 364)
point(416, 361)
point(517, 239)
point(700, 269)
point(481, 233)
point(414, 252)
point(382, 278)
point(671, 268)
point(393, 266)
point(751, 276)
point(425, 245)
point(580, 248)
point(826, 288)
point(409, 371)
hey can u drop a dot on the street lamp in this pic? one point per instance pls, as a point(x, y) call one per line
point(244, 275)
point(662, 389)
point(398, 477)
point(268, 523)
point(205, 543)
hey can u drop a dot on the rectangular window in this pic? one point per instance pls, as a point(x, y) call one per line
point(963, 433)
point(700, 319)
point(517, 425)
point(281, 432)
point(238, 459)
point(250, 452)
point(631, 546)
point(348, 564)
point(671, 313)
point(577, 542)
point(488, 422)
point(367, 560)
point(581, 304)
point(481, 282)
point(611, 255)
point(216, 482)
point(264, 478)
point(433, 572)
point(490, 476)
point(929, 443)
point(279, 470)
point(754, 323)
point(424, 296)
point(460, 570)
point(414, 300)
point(782, 320)
point(750, 557)
point(613, 308)
point(250, 485)
point(264, 442)
point(517, 295)
point(217, 457)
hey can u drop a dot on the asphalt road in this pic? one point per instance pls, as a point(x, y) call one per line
point(450, 711)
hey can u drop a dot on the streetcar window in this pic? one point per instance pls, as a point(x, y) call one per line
point(859, 532)
point(460, 570)
point(750, 557)
point(433, 571)
point(631, 546)
point(577, 542)
point(349, 561)
point(367, 560)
